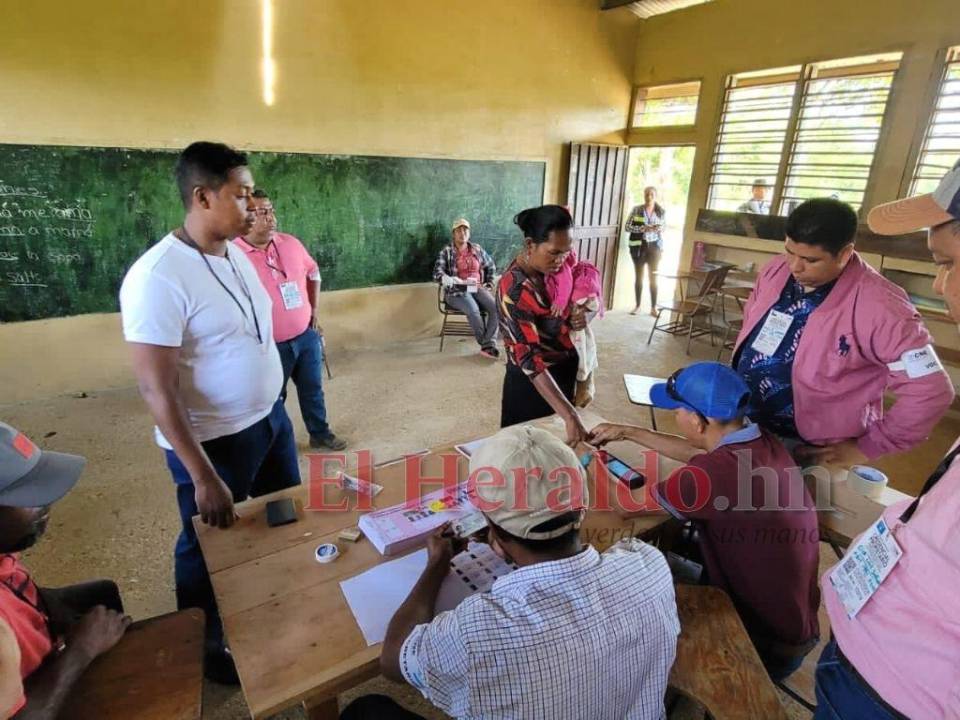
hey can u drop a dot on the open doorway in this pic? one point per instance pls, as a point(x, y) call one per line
point(668, 169)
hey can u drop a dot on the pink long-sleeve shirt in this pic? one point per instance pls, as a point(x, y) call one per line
point(839, 395)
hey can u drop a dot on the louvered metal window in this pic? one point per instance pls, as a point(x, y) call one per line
point(666, 105)
point(753, 130)
point(941, 143)
point(808, 131)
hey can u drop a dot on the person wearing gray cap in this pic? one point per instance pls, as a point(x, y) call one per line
point(758, 203)
point(570, 634)
point(57, 632)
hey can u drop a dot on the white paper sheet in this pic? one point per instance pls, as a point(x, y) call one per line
point(376, 594)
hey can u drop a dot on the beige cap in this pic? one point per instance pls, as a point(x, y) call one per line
point(920, 211)
point(555, 482)
point(462, 222)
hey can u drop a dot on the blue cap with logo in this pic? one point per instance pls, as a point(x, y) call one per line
point(714, 390)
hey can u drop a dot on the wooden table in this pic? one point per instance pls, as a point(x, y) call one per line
point(717, 664)
point(290, 629)
point(155, 672)
point(638, 390)
point(850, 513)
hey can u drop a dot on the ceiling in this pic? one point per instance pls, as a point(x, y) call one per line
point(649, 8)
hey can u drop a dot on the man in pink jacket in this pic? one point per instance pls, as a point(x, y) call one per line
point(895, 650)
point(824, 336)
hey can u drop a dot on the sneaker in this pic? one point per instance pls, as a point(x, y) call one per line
point(218, 666)
point(327, 442)
point(490, 352)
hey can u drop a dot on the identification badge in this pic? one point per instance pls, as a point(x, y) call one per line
point(290, 292)
point(772, 333)
point(918, 363)
point(865, 566)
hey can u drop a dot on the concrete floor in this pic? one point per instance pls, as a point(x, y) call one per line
point(121, 520)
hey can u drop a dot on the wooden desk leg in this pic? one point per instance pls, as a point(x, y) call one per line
point(653, 418)
point(327, 710)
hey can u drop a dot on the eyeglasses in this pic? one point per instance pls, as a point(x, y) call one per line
point(264, 212)
point(675, 394)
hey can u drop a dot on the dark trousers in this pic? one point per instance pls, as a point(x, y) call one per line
point(377, 707)
point(302, 360)
point(66, 605)
point(842, 694)
point(522, 402)
point(649, 256)
point(258, 460)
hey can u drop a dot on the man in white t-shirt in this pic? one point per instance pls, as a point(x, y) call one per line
point(570, 634)
point(200, 326)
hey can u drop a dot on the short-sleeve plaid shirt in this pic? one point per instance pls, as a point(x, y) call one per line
point(592, 636)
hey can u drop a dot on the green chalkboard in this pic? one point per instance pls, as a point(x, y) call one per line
point(73, 219)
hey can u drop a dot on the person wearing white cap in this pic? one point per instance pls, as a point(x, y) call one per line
point(895, 650)
point(54, 634)
point(570, 634)
point(466, 272)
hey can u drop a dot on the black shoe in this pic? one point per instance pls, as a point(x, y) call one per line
point(327, 442)
point(490, 351)
point(218, 666)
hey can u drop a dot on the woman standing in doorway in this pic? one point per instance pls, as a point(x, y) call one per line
point(542, 363)
point(645, 225)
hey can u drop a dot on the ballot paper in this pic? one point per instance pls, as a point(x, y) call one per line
point(375, 595)
point(397, 529)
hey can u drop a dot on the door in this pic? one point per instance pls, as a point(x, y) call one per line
point(595, 196)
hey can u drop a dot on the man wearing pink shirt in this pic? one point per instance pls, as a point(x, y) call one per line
point(292, 278)
point(898, 654)
point(824, 337)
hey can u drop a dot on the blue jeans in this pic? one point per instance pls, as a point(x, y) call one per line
point(841, 695)
point(258, 460)
point(302, 359)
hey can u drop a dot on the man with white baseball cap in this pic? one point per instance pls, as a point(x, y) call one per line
point(571, 633)
point(54, 633)
point(898, 654)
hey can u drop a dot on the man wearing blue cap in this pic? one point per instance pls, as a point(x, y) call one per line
point(52, 634)
point(741, 489)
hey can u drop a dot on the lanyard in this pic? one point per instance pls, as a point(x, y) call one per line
point(279, 266)
point(187, 240)
point(931, 481)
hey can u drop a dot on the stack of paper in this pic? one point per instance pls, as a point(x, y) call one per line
point(403, 527)
point(375, 595)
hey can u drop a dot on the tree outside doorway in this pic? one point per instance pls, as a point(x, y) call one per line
point(668, 169)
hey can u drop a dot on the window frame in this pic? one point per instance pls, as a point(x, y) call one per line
point(631, 119)
point(946, 57)
point(802, 74)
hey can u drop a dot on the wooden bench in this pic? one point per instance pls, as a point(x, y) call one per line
point(154, 673)
point(717, 665)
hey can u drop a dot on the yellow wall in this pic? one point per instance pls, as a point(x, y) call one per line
point(494, 79)
point(711, 41)
point(499, 79)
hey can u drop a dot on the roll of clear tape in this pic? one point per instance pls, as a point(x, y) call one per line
point(867, 481)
